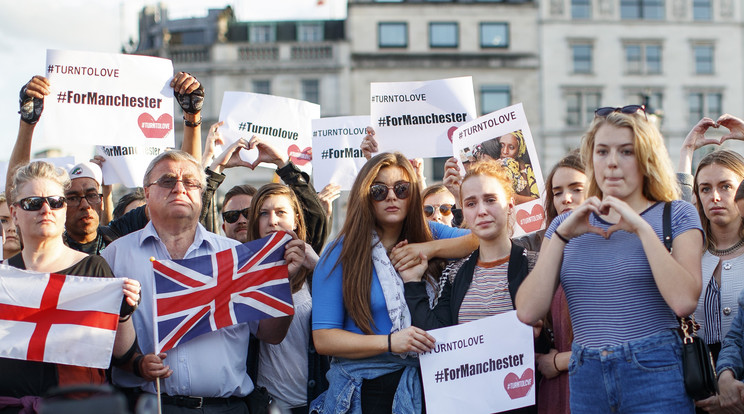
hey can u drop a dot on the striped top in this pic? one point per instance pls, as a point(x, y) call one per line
point(611, 292)
point(712, 306)
point(488, 293)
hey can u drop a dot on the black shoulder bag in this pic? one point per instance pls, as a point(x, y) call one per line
point(697, 362)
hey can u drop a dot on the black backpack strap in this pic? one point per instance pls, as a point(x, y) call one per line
point(667, 225)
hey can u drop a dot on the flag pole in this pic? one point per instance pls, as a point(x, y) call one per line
point(155, 341)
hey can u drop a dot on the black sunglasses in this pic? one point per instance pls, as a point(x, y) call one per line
point(170, 182)
point(444, 209)
point(379, 192)
point(35, 203)
point(91, 198)
point(628, 109)
point(232, 216)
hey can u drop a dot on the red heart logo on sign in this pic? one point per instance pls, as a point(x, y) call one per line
point(451, 132)
point(155, 129)
point(531, 221)
point(300, 157)
point(518, 387)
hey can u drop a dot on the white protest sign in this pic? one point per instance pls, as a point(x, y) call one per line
point(126, 165)
point(418, 118)
point(338, 156)
point(485, 137)
point(282, 122)
point(3, 174)
point(480, 367)
point(108, 99)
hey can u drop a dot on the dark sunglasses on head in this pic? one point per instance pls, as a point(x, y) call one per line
point(170, 182)
point(35, 203)
point(444, 209)
point(628, 109)
point(232, 216)
point(379, 192)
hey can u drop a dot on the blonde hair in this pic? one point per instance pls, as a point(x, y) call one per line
point(495, 170)
point(38, 170)
point(729, 160)
point(659, 182)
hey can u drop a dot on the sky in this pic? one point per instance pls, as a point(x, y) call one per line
point(30, 27)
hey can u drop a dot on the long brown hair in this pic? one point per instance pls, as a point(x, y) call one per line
point(275, 189)
point(356, 235)
point(725, 159)
point(573, 161)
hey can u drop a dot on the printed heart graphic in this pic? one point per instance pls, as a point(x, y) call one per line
point(531, 221)
point(155, 129)
point(518, 387)
point(451, 132)
point(298, 157)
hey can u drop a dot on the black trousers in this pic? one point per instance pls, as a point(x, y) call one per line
point(378, 393)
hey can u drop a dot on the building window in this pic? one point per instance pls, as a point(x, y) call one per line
point(705, 104)
point(310, 32)
point(582, 58)
point(392, 34)
point(643, 59)
point(443, 35)
point(702, 10)
point(311, 90)
point(494, 97)
point(494, 34)
point(703, 59)
point(262, 86)
point(580, 107)
point(653, 100)
point(581, 9)
point(642, 9)
point(262, 33)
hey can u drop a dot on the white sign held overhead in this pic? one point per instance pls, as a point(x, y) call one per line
point(126, 165)
point(418, 118)
point(475, 368)
point(282, 122)
point(504, 136)
point(338, 156)
point(108, 99)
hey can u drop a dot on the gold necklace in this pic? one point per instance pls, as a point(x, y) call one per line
point(727, 251)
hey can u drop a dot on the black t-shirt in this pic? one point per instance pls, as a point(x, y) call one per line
point(19, 378)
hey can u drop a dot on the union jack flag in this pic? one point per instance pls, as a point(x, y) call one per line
point(202, 294)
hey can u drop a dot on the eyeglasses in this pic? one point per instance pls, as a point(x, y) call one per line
point(444, 209)
point(91, 198)
point(233, 215)
point(379, 192)
point(35, 203)
point(170, 182)
point(628, 109)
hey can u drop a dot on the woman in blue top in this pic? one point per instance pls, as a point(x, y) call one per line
point(623, 287)
point(360, 315)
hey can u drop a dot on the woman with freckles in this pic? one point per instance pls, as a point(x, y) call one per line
point(624, 289)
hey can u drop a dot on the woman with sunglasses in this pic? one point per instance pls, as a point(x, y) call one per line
point(39, 213)
point(438, 202)
point(623, 287)
point(359, 314)
point(11, 241)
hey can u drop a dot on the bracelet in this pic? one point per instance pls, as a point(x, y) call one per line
point(390, 344)
point(136, 366)
point(560, 236)
point(126, 318)
point(554, 364)
point(192, 124)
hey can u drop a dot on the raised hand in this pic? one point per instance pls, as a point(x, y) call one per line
point(213, 139)
point(267, 153)
point(577, 223)
point(230, 157)
point(734, 125)
point(452, 178)
point(31, 100)
point(369, 144)
point(327, 195)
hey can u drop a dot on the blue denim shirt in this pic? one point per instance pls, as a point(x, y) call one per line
point(344, 394)
point(732, 350)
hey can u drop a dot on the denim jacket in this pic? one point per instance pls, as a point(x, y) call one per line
point(732, 350)
point(344, 395)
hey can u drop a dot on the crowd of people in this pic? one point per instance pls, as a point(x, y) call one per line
point(600, 289)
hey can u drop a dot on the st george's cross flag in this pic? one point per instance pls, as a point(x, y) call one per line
point(202, 294)
point(57, 318)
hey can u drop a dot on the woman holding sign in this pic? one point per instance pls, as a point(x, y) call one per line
point(359, 314)
point(39, 214)
point(623, 287)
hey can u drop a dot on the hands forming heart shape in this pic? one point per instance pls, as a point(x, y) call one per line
point(696, 138)
point(578, 222)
